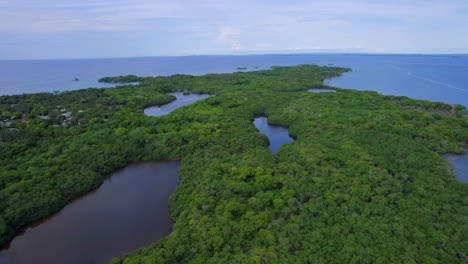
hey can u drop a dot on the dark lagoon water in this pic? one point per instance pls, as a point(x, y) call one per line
point(277, 135)
point(431, 77)
point(128, 211)
point(460, 165)
point(181, 101)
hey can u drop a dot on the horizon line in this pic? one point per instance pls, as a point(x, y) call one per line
point(244, 54)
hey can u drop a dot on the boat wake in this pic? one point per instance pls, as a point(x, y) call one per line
point(436, 82)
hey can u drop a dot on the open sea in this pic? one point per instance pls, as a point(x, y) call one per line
point(442, 78)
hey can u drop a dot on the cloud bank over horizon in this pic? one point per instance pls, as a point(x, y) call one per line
point(127, 28)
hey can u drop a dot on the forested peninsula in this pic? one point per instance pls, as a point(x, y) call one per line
point(364, 181)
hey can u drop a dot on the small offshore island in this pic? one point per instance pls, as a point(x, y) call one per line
point(363, 181)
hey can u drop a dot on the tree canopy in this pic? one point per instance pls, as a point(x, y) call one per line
point(362, 183)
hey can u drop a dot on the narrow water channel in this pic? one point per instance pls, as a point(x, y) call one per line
point(277, 135)
point(321, 90)
point(181, 101)
point(128, 211)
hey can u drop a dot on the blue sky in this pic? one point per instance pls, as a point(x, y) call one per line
point(34, 29)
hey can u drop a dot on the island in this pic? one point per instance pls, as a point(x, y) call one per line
point(362, 182)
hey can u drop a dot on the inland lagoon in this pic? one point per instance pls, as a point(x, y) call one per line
point(128, 211)
point(277, 135)
point(181, 101)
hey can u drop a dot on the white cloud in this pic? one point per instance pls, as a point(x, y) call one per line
point(229, 35)
point(242, 25)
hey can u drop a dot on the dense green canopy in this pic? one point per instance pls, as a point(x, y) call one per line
point(362, 183)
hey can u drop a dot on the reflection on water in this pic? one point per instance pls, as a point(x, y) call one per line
point(128, 211)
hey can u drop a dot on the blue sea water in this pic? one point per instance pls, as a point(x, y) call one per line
point(441, 78)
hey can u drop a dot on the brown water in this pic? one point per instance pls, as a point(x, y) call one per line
point(128, 211)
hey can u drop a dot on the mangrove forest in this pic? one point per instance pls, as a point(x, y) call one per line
point(363, 181)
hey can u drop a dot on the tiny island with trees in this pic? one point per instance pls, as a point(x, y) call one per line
point(363, 182)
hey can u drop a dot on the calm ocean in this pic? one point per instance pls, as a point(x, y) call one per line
point(441, 78)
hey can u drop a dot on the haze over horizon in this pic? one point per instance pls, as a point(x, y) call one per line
point(51, 29)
